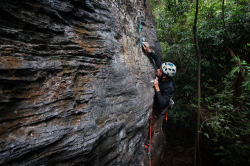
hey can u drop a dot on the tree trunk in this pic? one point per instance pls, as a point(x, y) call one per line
point(198, 79)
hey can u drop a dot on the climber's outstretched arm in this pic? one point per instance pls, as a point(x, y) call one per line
point(152, 54)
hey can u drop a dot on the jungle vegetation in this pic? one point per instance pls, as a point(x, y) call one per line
point(223, 28)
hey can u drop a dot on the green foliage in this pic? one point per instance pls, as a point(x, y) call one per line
point(245, 68)
point(224, 127)
point(230, 125)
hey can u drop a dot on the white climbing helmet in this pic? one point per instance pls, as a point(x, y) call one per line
point(169, 69)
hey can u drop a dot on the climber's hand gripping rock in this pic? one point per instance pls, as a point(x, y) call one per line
point(146, 47)
point(156, 84)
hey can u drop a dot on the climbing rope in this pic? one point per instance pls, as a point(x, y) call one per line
point(149, 146)
point(140, 25)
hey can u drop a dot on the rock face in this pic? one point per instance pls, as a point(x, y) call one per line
point(74, 85)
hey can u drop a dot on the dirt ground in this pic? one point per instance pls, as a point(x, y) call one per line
point(178, 156)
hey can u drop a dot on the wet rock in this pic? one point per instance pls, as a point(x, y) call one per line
point(74, 88)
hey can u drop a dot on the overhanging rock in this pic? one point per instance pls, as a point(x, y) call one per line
point(75, 87)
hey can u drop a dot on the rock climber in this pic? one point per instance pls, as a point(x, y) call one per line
point(163, 85)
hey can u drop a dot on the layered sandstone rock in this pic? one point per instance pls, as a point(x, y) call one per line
point(74, 85)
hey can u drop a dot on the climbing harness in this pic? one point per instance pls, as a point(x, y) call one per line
point(171, 104)
point(140, 25)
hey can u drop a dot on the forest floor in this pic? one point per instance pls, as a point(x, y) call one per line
point(177, 156)
point(180, 149)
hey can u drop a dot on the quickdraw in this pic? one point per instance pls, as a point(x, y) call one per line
point(140, 25)
point(125, 26)
point(167, 114)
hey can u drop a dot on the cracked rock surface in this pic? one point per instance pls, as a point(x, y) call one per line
point(74, 85)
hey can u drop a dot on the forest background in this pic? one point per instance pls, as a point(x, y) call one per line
point(224, 39)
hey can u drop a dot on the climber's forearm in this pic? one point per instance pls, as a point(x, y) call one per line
point(156, 59)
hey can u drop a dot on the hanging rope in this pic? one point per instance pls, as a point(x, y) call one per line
point(149, 146)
